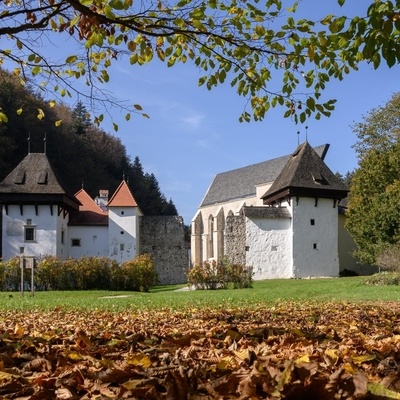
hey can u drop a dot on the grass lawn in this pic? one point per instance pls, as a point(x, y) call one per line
point(168, 297)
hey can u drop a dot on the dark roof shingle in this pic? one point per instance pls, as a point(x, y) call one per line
point(242, 182)
point(305, 174)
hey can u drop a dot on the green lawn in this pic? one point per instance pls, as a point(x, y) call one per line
point(167, 297)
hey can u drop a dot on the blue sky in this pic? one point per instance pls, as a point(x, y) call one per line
point(193, 133)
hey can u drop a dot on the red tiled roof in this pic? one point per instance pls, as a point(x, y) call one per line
point(122, 197)
point(89, 212)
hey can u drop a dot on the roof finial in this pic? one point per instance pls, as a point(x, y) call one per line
point(82, 184)
point(298, 138)
point(44, 143)
point(29, 143)
point(123, 175)
point(306, 134)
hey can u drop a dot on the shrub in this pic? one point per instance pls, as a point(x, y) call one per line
point(387, 278)
point(10, 275)
point(240, 276)
point(389, 258)
point(137, 274)
point(220, 275)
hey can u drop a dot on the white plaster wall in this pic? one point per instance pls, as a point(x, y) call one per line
point(94, 241)
point(62, 224)
point(269, 248)
point(260, 191)
point(123, 230)
point(324, 260)
point(13, 231)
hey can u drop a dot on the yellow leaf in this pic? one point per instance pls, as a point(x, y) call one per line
point(19, 111)
point(243, 354)
point(3, 117)
point(140, 359)
point(58, 123)
point(363, 358)
point(52, 103)
point(304, 358)
point(333, 355)
point(381, 391)
point(40, 115)
point(18, 330)
point(132, 384)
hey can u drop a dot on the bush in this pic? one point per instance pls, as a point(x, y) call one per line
point(386, 278)
point(137, 274)
point(389, 258)
point(10, 275)
point(220, 275)
point(85, 273)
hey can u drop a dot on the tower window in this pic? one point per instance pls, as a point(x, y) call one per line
point(29, 233)
point(315, 246)
point(75, 242)
point(312, 221)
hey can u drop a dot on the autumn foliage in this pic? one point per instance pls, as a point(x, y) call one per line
point(287, 351)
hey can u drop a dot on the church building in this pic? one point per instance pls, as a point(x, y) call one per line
point(283, 217)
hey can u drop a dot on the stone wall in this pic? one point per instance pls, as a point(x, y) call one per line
point(235, 239)
point(162, 237)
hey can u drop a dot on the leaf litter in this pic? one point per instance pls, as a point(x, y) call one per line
point(306, 350)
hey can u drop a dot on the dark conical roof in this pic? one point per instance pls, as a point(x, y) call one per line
point(34, 180)
point(305, 174)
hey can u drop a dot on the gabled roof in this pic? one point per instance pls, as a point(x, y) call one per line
point(305, 174)
point(34, 180)
point(242, 182)
point(89, 212)
point(122, 197)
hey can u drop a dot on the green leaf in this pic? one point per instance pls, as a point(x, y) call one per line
point(71, 59)
point(378, 389)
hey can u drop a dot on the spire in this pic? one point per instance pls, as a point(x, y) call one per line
point(305, 174)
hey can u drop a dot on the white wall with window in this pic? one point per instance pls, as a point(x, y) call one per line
point(30, 230)
point(89, 241)
point(123, 234)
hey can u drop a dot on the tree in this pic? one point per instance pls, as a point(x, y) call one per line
point(81, 118)
point(374, 204)
point(254, 45)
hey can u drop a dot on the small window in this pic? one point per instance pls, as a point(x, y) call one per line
point(29, 233)
point(29, 221)
point(247, 248)
point(122, 212)
point(21, 250)
point(122, 247)
point(122, 232)
point(315, 246)
point(76, 242)
point(312, 221)
point(62, 236)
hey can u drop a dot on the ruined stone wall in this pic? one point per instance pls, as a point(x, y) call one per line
point(235, 239)
point(162, 237)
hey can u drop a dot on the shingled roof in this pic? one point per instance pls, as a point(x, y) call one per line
point(90, 213)
point(305, 174)
point(122, 197)
point(242, 182)
point(34, 180)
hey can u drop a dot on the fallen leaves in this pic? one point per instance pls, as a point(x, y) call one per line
point(289, 351)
